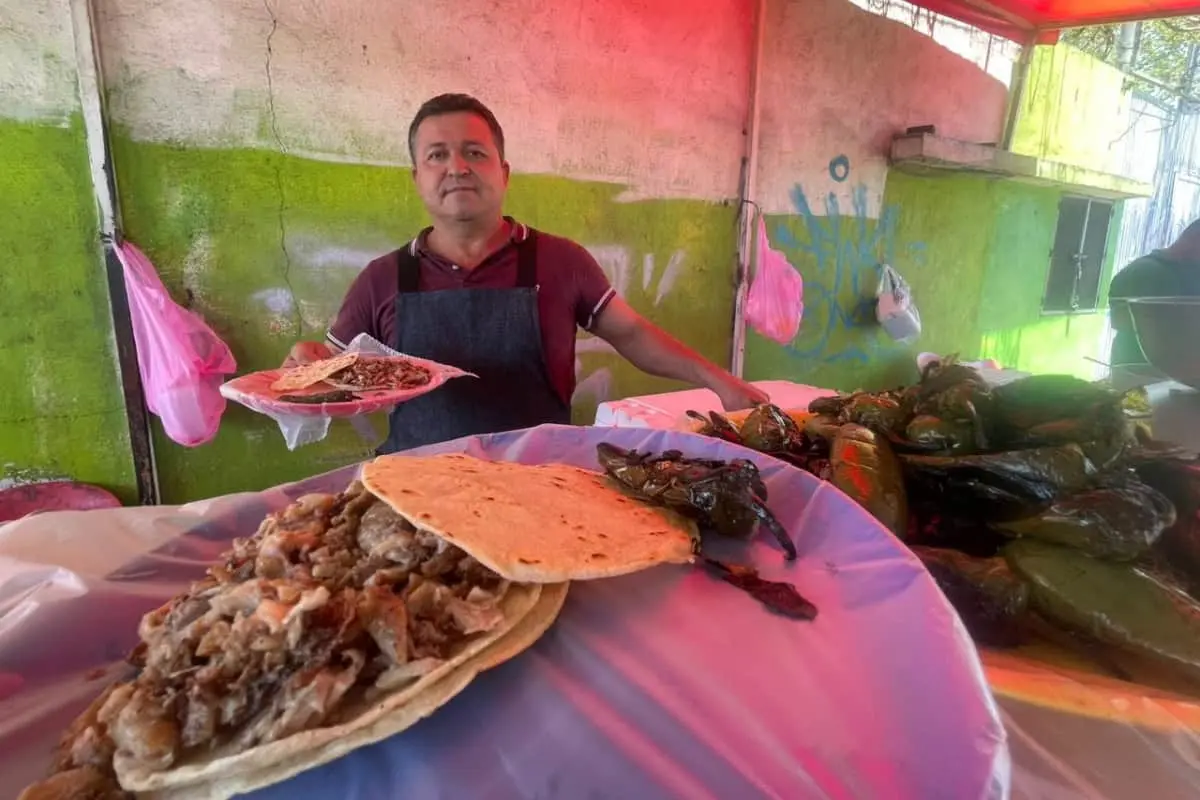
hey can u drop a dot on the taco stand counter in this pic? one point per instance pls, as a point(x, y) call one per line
point(666, 683)
point(62, 590)
point(1070, 733)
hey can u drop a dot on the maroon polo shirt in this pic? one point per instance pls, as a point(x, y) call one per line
point(572, 291)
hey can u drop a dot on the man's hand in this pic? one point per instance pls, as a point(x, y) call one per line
point(652, 350)
point(306, 353)
point(736, 394)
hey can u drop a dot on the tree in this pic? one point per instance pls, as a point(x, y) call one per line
point(1164, 50)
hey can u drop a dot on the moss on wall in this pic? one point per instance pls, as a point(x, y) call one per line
point(976, 253)
point(264, 246)
point(1074, 110)
point(62, 413)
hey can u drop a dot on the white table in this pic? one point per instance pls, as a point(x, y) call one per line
point(668, 410)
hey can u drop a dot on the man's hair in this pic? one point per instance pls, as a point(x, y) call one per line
point(454, 104)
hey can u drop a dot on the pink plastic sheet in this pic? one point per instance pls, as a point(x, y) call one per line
point(666, 683)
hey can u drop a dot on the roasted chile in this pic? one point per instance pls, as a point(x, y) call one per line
point(727, 497)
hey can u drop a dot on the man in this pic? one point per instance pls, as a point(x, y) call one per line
point(484, 293)
point(1173, 272)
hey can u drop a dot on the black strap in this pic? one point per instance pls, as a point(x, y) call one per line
point(409, 280)
point(410, 270)
point(527, 262)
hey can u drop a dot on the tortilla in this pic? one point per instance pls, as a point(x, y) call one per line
point(306, 375)
point(522, 636)
point(364, 722)
point(531, 524)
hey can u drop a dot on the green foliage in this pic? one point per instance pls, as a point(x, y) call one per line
point(1166, 51)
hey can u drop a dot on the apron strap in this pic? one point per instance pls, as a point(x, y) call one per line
point(409, 279)
point(527, 262)
point(410, 270)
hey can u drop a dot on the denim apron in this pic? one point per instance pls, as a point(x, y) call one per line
point(493, 333)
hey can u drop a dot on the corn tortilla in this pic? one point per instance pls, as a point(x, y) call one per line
point(306, 375)
point(531, 524)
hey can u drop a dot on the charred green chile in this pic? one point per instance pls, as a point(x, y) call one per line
point(930, 432)
point(1116, 604)
point(1119, 523)
point(863, 466)
point(1036, 400)
point(1005, 483)
point(989, 598)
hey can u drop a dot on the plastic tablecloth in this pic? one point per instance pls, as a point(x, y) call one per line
point(667, 683)
point(667, 409)
point(1075, 732)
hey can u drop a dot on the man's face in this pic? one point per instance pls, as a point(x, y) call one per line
point(458, 169)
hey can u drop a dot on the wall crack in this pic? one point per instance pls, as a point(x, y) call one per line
point(274, 121)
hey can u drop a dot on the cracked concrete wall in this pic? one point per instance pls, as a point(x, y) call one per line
point(261, 157)
point(61, 413)
point(262, 161)
point(839, 82)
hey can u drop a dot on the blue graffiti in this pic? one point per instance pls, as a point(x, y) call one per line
point(839, 295)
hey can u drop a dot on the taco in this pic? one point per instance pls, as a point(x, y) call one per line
point(335, 613)
point(307, 375)
point(355, 372)
point(533, 524)
point(339, 741)
point(348, 618)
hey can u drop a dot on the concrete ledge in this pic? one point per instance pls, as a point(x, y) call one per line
point(927, 153)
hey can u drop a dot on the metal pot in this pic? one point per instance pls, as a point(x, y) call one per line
point(1168, 330)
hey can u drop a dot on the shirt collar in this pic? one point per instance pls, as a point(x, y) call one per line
point(518, 234)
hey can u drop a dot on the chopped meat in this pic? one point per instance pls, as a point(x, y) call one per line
point(381, 373)
point(331, 593)
point(382, 528)
point(312, 696)
point(146, 729)
point(385, 617)
point(201, 716)
point(473, 617)
point(404, 674)
point(80, 783)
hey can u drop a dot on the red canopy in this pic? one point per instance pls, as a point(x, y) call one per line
point(1019, 19)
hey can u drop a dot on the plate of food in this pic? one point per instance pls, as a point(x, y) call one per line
point(345, 385)
point(555, 612)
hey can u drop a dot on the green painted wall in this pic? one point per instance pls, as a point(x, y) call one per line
point(1074, 110)
point(211, 221)
point(976, 253)
point(61, 413)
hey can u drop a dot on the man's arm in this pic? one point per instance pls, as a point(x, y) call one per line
point(356, 315)
point(652, 350)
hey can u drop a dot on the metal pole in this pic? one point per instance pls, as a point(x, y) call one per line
point(747, 207)
point(1127, 40)
point(104, 185)
point(1016, 94)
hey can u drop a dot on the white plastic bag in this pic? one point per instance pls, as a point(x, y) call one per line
point(181, 361)
point(775, 303)
point(895, 309)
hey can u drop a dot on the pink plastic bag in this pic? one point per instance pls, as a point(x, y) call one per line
point(775, 303)
point(181, 361)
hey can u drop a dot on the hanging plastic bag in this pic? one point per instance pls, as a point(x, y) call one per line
point(895, 309)
point(775, 303)
point(181, 361)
